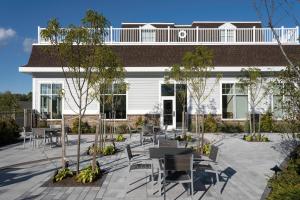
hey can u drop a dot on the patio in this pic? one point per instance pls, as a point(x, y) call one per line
point(245, 168)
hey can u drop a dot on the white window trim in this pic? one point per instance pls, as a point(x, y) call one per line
point(234, 104)
point(38, 108)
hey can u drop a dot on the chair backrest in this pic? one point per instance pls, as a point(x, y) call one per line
point(214, 153)
point(183, 162)
point(167, 143)
point(128, 152)
point(38, 132)
point(55, 126)
point(147, 129)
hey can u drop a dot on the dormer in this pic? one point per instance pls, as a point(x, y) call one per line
point(227, 32)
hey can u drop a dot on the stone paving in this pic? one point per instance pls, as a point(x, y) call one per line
point(244, 170)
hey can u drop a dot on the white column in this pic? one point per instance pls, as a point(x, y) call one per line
point(39, 34)
point(111, 35)
point(140, 34)
point(197, 34)
point(282, 35)
point(168, 34)
point(297, 39)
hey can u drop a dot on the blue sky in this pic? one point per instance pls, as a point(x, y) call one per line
point(19, 20)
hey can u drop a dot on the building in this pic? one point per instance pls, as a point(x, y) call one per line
point(147, 50)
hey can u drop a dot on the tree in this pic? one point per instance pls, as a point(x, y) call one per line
point(108, 71)
point(76, 49)
point(8, 102)
point(252, 81)
point(194, 71)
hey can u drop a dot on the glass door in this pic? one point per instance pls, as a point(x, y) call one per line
point(168, 116)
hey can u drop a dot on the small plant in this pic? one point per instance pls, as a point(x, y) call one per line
point(120, 138)
point(109, 150)
point(92, 148)
point(210, 124)
point(88, 175)
point(62, 174)
point(85, 127)
point(256, 138)
point(139, 122)
point(206, 149)
point(122, 129)
point(187, 138)
point(231, 128)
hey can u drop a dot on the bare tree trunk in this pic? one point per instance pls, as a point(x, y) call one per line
point(183, 125)
point(63, 146)
point(250, 123)
point(202, 133)
point(78, 143)
point(253, 122)
point(96, 143)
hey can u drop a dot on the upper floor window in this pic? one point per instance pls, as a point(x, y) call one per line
point(148, 33)
point(234, 101)
point(227, 32)
point(51, 101)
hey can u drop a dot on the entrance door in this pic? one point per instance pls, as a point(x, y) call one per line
point(168, 116)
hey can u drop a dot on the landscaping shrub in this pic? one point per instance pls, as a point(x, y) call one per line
point(287, 184)
point(231, 128)
point(62, 174)
point(109, 150)
point(88, 175)
point(9, 131)
point(210, 124)
point(85, 127)
point(120, 138)
point(139, 122)
point(187, 138)
point(122, 129)
point(266, 122)
point(256, 138)
point(92, 148)
point(206, 149)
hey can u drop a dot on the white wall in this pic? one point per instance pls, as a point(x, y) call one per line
point(143, 95)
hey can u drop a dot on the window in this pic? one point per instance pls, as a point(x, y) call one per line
point(277, 103)
point(148, 33)
point(234, 101)
point(51, 102)
point(167, 89)
point(227, 32)
point(115, 102)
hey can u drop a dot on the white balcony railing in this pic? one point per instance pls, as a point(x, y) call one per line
point(196, 35)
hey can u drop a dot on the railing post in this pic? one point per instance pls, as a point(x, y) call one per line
point(282, 34)
point(140, 34)
point(111, 35)
point(39, 34)
point(225, 35)
point(168, 34)
point(297, 39)
point(197, 34)
point(253, 34)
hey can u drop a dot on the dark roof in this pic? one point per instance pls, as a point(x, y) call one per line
point(200, 24)
point(167, 55)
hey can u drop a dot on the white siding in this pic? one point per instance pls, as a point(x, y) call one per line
point(143, 95)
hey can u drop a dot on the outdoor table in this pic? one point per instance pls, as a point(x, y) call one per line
point(159, 153)
point(50, 132)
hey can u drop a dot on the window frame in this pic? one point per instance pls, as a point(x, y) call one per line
point(51, 97)
point(126, 104)
point(234, 94)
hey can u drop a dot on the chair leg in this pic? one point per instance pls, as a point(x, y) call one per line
point(164, 188)
point(24, 140)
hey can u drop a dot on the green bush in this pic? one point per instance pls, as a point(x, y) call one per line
point(266, 122)
point(62, 174)
point(256, 138)
point(85, 127)
point(187, 138)
point(122, 129)
point(120, 138)
point(206, 149)
point(88, 175)
point(92, 148)
point(210, 124)
point(139, 122)
point(287, 184)
point(231, 128)
point(109, 150)
point(9, 131)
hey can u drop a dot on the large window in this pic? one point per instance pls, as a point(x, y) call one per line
point(277, 99)
point(234, 101)
point(115, 102)
point(51, 101)
point(148, 33)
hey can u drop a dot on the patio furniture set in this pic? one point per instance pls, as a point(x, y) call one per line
point(43, 136)
point(173, 163)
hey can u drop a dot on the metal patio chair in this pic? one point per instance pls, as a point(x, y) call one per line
point(178, 169)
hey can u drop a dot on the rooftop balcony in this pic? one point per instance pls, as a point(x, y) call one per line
point(195, 36)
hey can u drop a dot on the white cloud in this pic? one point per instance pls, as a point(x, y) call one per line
point(27, 44)
point(6, 34)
